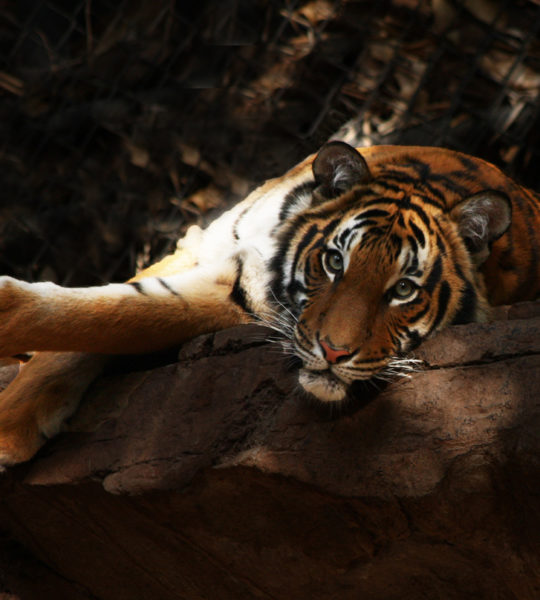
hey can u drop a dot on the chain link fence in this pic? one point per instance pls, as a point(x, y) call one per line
point(122, 122)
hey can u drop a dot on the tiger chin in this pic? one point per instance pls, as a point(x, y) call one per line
point(353, 256)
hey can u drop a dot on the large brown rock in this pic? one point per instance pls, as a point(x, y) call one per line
point(213, 478)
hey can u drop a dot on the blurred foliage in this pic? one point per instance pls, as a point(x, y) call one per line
point(122, 122)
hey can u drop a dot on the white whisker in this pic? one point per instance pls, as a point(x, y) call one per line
point(285, 308)
point(397, 367)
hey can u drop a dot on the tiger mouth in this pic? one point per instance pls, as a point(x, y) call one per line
point(324, 385)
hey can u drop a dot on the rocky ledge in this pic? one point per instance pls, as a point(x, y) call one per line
point(214, 478)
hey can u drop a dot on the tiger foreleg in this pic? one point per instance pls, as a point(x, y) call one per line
point(148, 314)
point(46, 391)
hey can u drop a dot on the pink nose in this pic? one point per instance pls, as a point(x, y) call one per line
point(332, 354)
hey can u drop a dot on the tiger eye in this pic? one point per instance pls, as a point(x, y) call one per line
point(333, 261)
point(404, 288)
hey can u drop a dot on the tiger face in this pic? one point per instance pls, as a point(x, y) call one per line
point(373, 267)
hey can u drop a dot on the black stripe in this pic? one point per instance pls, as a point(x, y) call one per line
point(444, 298)
point(302, 245)
point(342, 238)
point(237, 222)
point(435, 192)
point(374, 212)
point(468, 162)
point(277, 291)
point(418, 184)
point(422, 214)
point(414, 247)
point(387, 201)
point(414, 339)
point(398, 176)
point(330, 226)
point(167, 287)
point(440, 244)
point(302, 334)
point(293, 197)
point(363, 223)
point(422, 168)
point(397, 242)
point(424, 180)
point(294, 287)
point(434, 276)
point(419, 234)
point(138, 286)
point(421, 313)
point(238, 294)
point(412, 268)
point(468, 304)
point(348, 233)
point(389, 186)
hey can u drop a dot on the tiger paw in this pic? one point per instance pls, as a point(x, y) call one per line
point(14, 302)
point(18, 441)
point(12, 293)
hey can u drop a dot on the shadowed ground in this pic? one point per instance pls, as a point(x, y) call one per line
point(176, 484)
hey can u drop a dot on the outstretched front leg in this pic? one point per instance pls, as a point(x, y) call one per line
point(139, 316)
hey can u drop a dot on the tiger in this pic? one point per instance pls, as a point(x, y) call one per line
point(355, 256)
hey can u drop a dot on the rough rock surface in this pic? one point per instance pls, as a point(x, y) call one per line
point(213, 478)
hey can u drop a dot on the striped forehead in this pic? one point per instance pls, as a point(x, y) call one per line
point(353, 227)
point(400, 232)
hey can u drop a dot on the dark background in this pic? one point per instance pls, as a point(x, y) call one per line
point(123, 121)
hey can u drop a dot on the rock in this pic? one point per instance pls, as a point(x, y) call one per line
point(214, 478)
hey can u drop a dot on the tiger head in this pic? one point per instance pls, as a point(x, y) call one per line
point(374, 266)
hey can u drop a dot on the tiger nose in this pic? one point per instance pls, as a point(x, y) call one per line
point(331, 353)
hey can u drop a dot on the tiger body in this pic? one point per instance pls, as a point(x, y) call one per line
point(355, 257)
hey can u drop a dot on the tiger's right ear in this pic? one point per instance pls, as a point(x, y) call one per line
point(337, 168)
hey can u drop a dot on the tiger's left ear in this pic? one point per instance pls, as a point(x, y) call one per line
point(337, 168)
point(481, 219)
